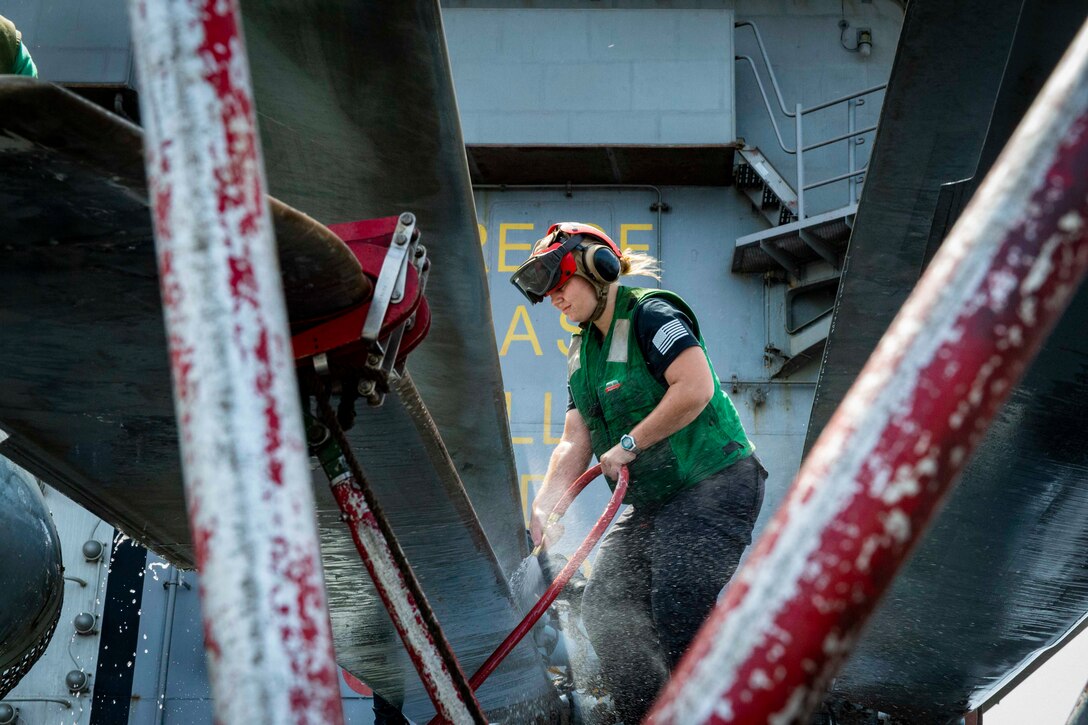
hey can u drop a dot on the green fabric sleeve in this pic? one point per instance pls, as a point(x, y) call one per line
point(24, 64)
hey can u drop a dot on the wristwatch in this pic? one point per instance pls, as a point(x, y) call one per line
point(627, 443)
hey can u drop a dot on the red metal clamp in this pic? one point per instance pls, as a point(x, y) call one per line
point(369, 342)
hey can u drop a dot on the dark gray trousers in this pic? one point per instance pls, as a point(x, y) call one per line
point(657, 576)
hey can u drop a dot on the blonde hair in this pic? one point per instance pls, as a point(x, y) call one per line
point(641, 264)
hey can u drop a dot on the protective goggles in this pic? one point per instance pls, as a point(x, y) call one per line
point(543, 272)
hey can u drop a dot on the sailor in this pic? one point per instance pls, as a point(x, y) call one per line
point(14, 55)
point(643, 393)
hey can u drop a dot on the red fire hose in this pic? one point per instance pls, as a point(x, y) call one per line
point(564, 576)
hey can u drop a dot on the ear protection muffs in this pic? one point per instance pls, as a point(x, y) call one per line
point(600, 264)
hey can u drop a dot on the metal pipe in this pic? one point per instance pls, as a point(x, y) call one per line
point(165, 642)
point(905, 430)
point(767, 104)
point(57, 700)
point(565, 187)
point(843, 137)
point(246, 473)
point(76, 579)
point(798, 122)
point(767, 62)
point(840, 99)
point(833, 179)
point(851, 151)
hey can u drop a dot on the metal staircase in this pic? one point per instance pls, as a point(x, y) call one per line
point(790, 243)
point(808, 247)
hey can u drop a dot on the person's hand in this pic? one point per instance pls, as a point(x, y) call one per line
point(540, 531)
point(614, 459)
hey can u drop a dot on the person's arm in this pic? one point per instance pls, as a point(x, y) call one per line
point(691, 386)
point(569, 461)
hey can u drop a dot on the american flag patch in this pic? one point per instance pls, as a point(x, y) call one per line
point(667, 336)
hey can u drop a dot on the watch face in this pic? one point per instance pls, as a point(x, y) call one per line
point(627, 442)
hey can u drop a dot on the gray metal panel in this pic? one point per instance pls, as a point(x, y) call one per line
point(76, 41)
point(1002, 572)
point(358, 120)
point(625, 76)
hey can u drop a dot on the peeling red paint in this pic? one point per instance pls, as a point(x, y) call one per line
point(235, 392)
point(894, 448)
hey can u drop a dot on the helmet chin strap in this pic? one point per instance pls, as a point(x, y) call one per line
point(602, 298)
point(602, 290)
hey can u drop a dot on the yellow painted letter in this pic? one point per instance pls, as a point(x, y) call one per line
point(505, 246)
point(520, 313)
point(548, 438)
point(625, 245)
point(483, 241)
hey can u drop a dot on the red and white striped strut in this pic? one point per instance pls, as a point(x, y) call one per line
point(247, 479)
point(905, 430)
point(423, 639)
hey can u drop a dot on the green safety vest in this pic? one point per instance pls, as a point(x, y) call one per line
point(614, 390)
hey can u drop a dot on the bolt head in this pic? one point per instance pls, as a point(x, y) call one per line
point(7, 714)
point(92, 550)
point(400, 239)
point(407, 218)
point(76, 681)
point(84, 623)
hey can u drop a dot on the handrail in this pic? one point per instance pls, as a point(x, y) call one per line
point(833, 179)
point(767, 103)
point(853, 136)
point(767, 62)
point(844, 99)
point(843, 137)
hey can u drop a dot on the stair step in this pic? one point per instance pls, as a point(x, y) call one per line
point(792, 245)
point(773, 181)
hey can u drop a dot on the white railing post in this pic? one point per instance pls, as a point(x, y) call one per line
point(798, 121)
point(851, 150)
point(247, 479)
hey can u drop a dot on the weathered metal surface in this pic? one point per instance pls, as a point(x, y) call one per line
point(266, 624)
point(86, 395)
point(1001, 575)
point(359, 120)
point(84, 364)
point(921, 405)
point(30, 569)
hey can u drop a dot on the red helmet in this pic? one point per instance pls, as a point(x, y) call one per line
point(553, 261)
